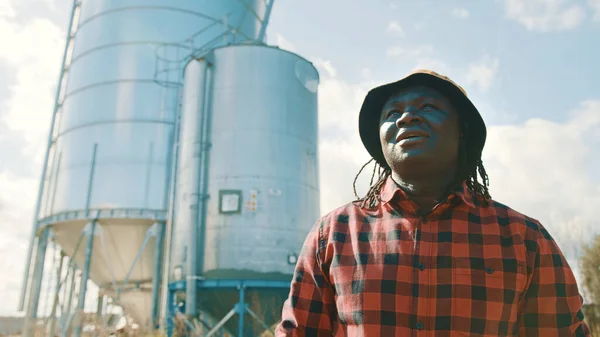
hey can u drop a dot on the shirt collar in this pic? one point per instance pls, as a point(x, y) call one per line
point(390, 190)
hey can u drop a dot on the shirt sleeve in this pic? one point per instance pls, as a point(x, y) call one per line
point(310, 307)
point(552, 303)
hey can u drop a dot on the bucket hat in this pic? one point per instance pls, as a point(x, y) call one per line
point(376, 98)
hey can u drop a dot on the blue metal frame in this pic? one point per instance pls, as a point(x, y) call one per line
point(241, 285)
point(158, 260)
point(77, 329)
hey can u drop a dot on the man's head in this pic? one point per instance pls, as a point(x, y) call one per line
point(419, 132)
point(450, 133)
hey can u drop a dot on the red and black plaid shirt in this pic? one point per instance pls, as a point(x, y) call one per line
point(463, 269)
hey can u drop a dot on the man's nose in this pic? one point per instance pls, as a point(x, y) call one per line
point(409, 116)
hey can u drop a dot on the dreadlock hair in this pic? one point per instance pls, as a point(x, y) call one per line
point(469, 169)
point(372, 197)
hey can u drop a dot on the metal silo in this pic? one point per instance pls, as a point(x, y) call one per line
point(105, 181)
point(248, 172)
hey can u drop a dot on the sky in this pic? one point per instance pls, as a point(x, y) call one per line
point(530, 66)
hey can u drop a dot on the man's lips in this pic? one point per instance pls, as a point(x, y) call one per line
point(411, 135)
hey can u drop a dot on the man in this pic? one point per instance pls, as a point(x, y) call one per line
point(427, 252)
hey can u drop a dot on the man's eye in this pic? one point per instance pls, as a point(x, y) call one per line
point(428, 107)
point(391, 113)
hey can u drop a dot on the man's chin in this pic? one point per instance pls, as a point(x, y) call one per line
point(412, 158)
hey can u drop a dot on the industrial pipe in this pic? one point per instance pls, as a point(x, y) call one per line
point(189, 167)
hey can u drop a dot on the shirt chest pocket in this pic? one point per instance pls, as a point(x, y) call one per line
point(486, 293)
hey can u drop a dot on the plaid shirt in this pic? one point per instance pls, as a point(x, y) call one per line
point(463, 269)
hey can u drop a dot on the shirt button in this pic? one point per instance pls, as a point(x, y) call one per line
point(421, 266)
point(420, 326)
point(489, 270)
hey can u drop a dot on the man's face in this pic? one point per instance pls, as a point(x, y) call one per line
point(419, 130)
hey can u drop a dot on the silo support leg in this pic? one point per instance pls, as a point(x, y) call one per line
point(59, 283)
point(260, 321)
point(156, 280)
point(170, 312)
point(36, 284)
point(221, 323)
point(66, 314)
point(99, 310)
point(84, 279)
point(241, 311)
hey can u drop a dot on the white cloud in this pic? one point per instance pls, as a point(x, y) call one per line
point(595, 6)
point(460, 13)
point(410, 51)
point(17, 199)
point(547, 170)
point(366, 73)
point(31, 50)
point(55, 5)
point(432, 63)
point(324, 66)
point(420, 56)
point(545, 15)
point(395, 28)
point(7, 10)
point(283, 43)
point(339, 103)
point(480, 73)
point(340, 151)
point(483, 72)
point(419, 26)
point(16, 202)
point(396, 51)
point(29, 108)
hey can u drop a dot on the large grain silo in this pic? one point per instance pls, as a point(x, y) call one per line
point(248, 172)
point(176, 126)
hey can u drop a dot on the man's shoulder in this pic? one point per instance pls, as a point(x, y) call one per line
point(341, 213)
point(343, 216)
point(509, 215)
